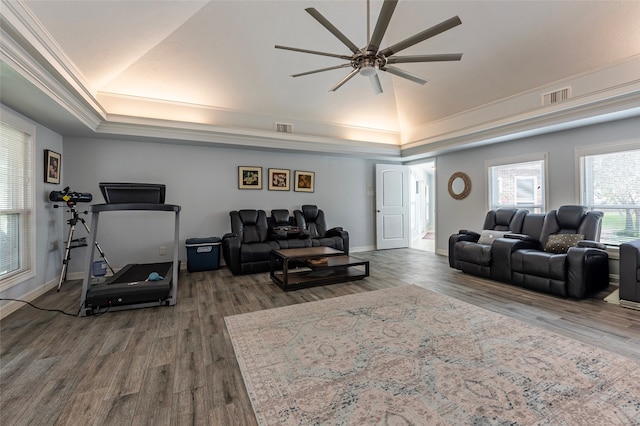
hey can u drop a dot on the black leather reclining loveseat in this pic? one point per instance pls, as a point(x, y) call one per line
point(557, 252)
point(246, 249)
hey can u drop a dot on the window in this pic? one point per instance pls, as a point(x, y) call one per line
point(610, 182)
point(517, 183)
point(16, 201)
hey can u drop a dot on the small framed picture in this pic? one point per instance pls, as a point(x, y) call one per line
point(52, 166)
point(304, 181)
point(279, 180)
point(249, 177)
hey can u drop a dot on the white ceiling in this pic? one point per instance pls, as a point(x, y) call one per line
point(214, 62)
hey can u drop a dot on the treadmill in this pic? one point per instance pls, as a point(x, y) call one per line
point(129, 288)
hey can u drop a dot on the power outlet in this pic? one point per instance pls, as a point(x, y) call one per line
point(162, 251)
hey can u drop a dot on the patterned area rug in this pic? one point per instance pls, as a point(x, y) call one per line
point(409, 356)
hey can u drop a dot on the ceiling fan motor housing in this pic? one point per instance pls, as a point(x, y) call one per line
point(368, 62)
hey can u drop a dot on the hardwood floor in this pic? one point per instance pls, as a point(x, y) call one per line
point(176, 365)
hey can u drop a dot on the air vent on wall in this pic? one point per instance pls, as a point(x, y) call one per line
point(556, 96)
point(284, 128)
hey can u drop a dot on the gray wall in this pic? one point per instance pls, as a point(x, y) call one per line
point(468, 213)
point(203, 180)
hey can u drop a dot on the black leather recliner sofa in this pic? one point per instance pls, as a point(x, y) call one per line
point(247, 248)
point(557, 253)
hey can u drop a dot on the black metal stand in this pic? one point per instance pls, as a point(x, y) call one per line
point(79, 242)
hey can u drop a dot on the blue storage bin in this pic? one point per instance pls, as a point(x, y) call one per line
point(203, 254)
point(99, 268)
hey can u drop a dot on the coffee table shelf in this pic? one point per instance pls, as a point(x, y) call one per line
point(300, 269)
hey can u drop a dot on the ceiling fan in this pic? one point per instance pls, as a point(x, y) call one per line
point(368, 60)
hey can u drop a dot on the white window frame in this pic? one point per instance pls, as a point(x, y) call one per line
point(539, 156)
point(28, 272)
point(599, 149)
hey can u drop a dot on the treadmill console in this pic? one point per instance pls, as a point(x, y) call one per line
point(128, 192)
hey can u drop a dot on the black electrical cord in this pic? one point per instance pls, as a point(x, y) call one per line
point(44, 309)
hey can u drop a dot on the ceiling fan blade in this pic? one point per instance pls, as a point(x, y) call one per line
point(333, 30)
point(404, 74)
point(421, 36)
point(313, 52)
point(344, 80)
point(424, 58)
point(375, 83)
point(321, 70)
point(381, 26)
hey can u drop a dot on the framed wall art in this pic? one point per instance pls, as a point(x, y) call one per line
point(304, 181)
point(249, 177)
point(279, 180)
point(52, 166)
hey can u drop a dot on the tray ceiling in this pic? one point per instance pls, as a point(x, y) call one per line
point(214, 62)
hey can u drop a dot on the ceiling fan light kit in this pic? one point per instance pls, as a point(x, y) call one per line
point(370, 59)
point(367, 71)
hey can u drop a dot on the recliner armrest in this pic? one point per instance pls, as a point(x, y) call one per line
point(587, 271)
point(231, 252)
point(470, 233)
point(344, 235)
point(591, 244)
point(463, 235)
point(336, 232)
point(522, 237)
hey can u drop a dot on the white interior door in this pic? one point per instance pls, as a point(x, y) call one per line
point(392, 206)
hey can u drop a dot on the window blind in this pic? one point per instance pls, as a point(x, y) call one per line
point(16, 202)
point(610, 182)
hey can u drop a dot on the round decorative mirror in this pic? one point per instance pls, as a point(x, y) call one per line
point(459, 185)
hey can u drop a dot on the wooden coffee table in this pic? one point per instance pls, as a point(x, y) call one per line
point(312, 266)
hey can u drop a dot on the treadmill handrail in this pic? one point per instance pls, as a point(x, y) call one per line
point(97, 208)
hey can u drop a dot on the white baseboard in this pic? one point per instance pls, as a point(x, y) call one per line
point(629, 304)
point(363, 248)
point(11, 307)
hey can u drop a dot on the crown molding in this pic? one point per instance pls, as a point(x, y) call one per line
point(617, 106)
point(27, 48)
point(209, 135)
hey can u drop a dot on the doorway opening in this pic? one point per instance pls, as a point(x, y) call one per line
point(422, 187)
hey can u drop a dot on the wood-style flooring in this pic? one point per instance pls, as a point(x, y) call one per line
point(176, 365)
